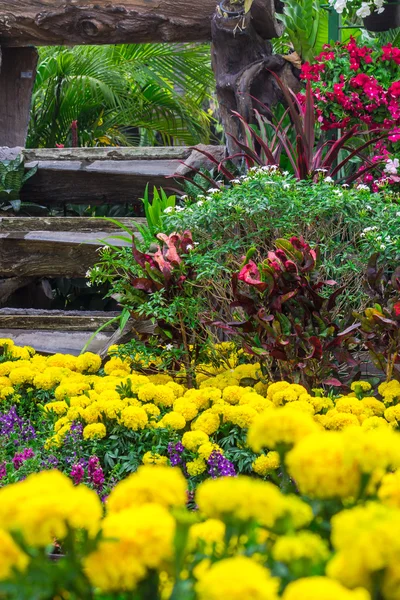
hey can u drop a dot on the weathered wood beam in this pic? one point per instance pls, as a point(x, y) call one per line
point(51, 254)
point(53, 320)
point(124, 153)
point(98, 182)
point(55, 22)
point(17, 76)
point(52, 342)
point(65, 224)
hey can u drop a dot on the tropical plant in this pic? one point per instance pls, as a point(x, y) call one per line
point(12, 178)
point(131, 94)
point(284, 320)
point(306, 25)
point(156, 209)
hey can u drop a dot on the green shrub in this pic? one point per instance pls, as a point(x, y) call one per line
point(347, 224)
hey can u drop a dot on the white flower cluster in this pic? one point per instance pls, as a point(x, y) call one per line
point(364, 8)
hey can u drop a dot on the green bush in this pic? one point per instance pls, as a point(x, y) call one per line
point(347, 224)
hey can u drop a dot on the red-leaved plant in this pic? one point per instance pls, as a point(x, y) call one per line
point(285, 321)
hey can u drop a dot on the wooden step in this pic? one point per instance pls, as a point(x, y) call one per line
point(31, 319)
point(53, 342)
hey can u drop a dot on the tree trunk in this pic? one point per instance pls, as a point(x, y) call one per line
point(242, 61)
point(17, 76)
point(57, 22)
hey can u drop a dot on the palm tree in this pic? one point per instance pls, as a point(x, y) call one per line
point(136, 94)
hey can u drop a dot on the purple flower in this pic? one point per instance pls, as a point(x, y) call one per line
point(175, 451)
point(21, 457)
point(77, 473)
point(3, 470)
point(11, 424)
point(50, 462)
point(219, 466)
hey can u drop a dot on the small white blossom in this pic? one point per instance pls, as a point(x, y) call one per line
point(362, 186)
point(189, 247)
point(364, 10)
point(179, 208)
point(169, 209)
point(184, 197)
point(286, 186)
point(200, 203)
point(213, 191)
point(235, 180)
point(373, 228)
point(321, 170)
point(88, 273)
point(368, 207)
point(285, 173)
point(169, 347)
point(345, 185)
point(89, 283)
point(328, 179)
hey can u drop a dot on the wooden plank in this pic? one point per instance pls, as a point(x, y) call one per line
point(53, 320)
point(119, 153)
point(53, 342)
point(17, 76)
point(66, 224)
point(50, 254)
point(57, 22)
point(101, 182)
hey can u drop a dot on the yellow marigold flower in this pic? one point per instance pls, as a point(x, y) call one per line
point(373, 407)
point(302, 405)
point(186, 408)
point(209, 533)
point(320, 403)
point(178, 389)
point(321, 588)
point(61, 423)
point(304, 545)
point(62, 360)
point(109, 396)
point(241, 498)
point(298, 513)
point(322, 467)
point(389, 491)
point(151, 409)
point(161, 395)
point(159, 484)
point(360, 387)
point(207, 422)
point(392, 414)
point(374, 423)
point(154, 459)
point(191, 440)
point(11, 556)
point(206, 449)
point(111, 409)
point(71, 388)
point(196, 466)
point(142, 537)
point(116, 363)
point(280, 427)
point(233, 393)
point(266, 463)
point(88, 363)
point(367, 540)
point(377, 449)
point(82, 401)
point(284, 396)
point(174, 420)
point(4, 381)
point(60, 407)
point(21, 375)
point(74, 413)
point(92, 413)
point(276, 387)
point(237, 578)
point(347, 404)
point(134, 417)
point(242, 415)
point(6, 343)
point(341, 421)
point(160, 379)
point(44, 504)
point(96, 431)
point(6, 392)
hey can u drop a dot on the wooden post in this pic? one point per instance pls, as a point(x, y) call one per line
point(17, 76)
